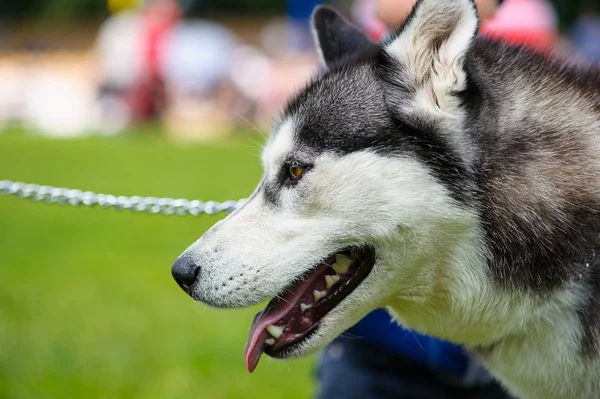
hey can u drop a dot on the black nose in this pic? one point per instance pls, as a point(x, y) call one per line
point(185, 272)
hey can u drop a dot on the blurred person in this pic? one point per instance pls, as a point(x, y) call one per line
point(128, 47)
point(120, 64)
point(196, 56)
point(147, 95)
point(377, 358)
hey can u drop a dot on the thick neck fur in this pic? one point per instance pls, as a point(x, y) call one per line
point(530, 341)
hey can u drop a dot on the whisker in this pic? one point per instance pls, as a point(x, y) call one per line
point(249, 122)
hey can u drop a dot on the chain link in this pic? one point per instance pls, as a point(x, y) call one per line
point(151, 205)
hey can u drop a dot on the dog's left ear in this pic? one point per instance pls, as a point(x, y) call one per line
point(337, 39)
point(428, 53)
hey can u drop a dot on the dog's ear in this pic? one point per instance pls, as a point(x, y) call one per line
point(427, 53)
point(337, 39)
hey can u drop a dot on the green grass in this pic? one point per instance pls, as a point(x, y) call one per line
point(88, 308)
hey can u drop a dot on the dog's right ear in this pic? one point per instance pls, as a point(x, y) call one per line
point(337, 39)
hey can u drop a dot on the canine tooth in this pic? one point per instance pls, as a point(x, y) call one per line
point(342, 263)
point(275, 331)
point(270, 341)
point(304, 307)
point(331, 280)
point(319, 294)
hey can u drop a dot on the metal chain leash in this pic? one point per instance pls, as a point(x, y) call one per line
point(150, 205)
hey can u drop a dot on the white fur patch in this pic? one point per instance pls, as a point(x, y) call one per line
point(278, 147)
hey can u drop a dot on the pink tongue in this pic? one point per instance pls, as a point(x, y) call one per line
point(271, 315)
point(257, 336)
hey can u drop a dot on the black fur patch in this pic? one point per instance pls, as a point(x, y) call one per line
point(589, 314)
point(338, 39)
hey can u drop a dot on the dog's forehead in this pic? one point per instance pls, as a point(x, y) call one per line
point(336, 112)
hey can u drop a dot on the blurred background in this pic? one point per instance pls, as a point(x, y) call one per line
point(162, 98)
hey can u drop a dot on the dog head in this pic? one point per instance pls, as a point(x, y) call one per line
point(363, 192)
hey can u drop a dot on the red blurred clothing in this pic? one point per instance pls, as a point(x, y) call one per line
point(365, 15)
point(146, 96)
point(159, 17)
point(528, 22)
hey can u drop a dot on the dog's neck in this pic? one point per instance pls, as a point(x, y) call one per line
point(448, 293)
point(535, 363)
point(523, 338)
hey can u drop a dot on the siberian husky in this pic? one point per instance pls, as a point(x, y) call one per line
point(451, 178)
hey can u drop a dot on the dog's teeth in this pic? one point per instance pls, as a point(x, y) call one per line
point(338, 269)
point(319, 294)
point(331, 280)
point(342, 263)
point(270, 341)
point(275, 331)
point(304, 307)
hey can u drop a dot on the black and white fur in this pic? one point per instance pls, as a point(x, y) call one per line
point(472, 168)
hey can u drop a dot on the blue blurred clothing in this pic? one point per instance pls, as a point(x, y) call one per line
point(301, 9)
point(298, 23)
point(585, 35)
point(378, 329)
point(356, 369)
point(378, 359)
point(385, 358)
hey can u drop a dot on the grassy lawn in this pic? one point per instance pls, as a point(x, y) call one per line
point(88, 308)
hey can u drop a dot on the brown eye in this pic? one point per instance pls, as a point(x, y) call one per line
point(296, 171)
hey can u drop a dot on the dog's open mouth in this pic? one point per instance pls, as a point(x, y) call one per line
point(294, 315)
